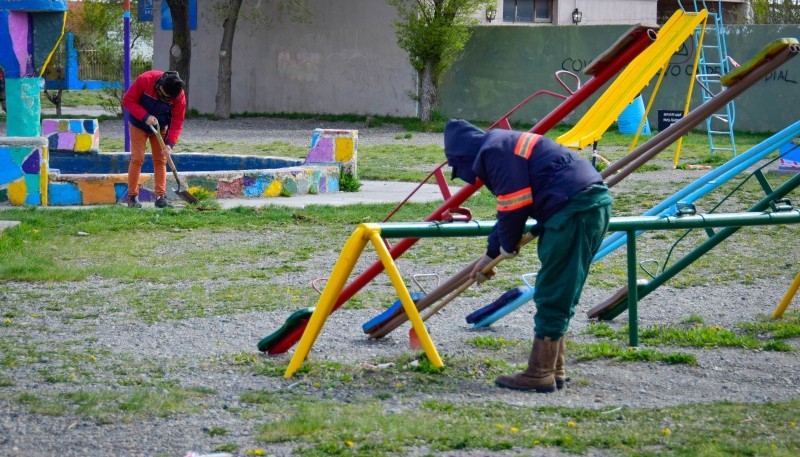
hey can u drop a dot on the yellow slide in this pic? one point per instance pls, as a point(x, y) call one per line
point(636, 76)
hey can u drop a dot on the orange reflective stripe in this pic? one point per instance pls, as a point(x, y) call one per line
point(525, 144)
point(515, 200)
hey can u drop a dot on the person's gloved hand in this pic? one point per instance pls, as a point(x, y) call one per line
point(477, 270)
point(508, 255)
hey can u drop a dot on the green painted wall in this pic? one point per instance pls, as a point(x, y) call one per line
point(501, 66)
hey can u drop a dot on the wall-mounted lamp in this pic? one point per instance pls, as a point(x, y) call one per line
point(576, 16)
point(491, 13)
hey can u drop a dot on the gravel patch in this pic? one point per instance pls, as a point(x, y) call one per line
point(196, 352)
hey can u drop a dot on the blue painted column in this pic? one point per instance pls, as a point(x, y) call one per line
point(29, 33)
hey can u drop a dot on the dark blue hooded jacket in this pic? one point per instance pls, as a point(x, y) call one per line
point(531, 175)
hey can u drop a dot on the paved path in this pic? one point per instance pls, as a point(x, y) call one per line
point(8, 224)
point(370, 192)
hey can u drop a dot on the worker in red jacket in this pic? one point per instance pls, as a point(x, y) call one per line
point(534, 177)
point(154, 98)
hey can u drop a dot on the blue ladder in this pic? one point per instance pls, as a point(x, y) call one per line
point(713, 64)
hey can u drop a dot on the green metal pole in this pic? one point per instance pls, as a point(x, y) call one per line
point(732, 223)
point(440, 229)
point(633, 298)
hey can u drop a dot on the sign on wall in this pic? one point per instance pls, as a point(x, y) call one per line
point(668, 117)
point(146, 10)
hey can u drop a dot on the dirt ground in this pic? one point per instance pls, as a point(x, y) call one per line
point(196, 352)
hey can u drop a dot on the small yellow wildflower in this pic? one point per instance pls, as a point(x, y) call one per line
point(35, 231)
point(536, 442)
point(793, 424)
point(8, 321)
point(500, 426)
point(514, 430)
point(399, 385)
point(317, 385)
point(248, 452)
point(258, 451)
point(571, 423)
point(348, 443)
point(666, 432)
point(93, 358)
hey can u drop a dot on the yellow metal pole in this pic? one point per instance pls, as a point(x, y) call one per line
point(341, 271)
point(697, 52)
point(787, 298)
point(405, 298)
point(649, 105)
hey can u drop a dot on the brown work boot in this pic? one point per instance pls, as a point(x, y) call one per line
point(541, 365)
point(561, 366)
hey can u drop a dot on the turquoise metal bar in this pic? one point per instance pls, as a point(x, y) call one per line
point(616, 224)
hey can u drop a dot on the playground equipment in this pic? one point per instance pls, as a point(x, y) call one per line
point(787, 298)
point(669, 207)
point(714, 63)
point(602, 69)
point(376, 233)
point(772, 56)
point(614, 305)
point(633, 79)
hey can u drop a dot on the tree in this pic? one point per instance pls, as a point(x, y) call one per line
point(180, 53)
point(228, 10)
point(434, 32)
point(100, 21)
point(98, 30)
point(776, 11)
point(222, 106)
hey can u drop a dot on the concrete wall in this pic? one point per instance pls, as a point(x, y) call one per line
point(345, 60)
point(608, 12)
point(503, 65)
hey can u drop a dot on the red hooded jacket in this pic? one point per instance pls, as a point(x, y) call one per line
point(141, 101)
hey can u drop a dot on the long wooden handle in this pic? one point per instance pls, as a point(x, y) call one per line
point(453, 286)
point(157, 132)
point(526, 238)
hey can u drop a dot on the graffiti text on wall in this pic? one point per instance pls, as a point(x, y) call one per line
point(681, 64)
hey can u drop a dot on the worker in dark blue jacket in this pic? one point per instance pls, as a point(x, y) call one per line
point(533, 176)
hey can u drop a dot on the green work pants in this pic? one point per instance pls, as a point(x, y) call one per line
point(567, 243)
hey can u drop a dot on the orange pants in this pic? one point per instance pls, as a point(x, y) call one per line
point(138, 146)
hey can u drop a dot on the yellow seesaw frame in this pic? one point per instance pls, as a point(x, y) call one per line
point(341, 271)
point(787, 298)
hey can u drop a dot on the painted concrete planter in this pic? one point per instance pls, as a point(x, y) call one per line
point(91, 177)
point(101, 178)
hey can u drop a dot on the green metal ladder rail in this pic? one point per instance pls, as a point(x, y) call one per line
point(730, 224)
point(713, 64)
